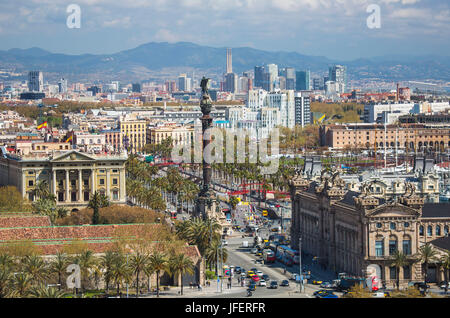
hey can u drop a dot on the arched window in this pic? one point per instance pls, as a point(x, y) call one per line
point(446, 230)
point(438, 230)
point(406, 245)
point(379, 246)
point(430, 230)
point(421, 230)
point(393, 245)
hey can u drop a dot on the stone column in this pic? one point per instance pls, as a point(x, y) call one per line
point(54, 185)
point(67, 186)
point(122, 185)
point(93, 185)
point(108, 190)
point(80, 185)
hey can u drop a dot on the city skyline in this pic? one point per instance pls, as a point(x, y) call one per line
point(319, 28)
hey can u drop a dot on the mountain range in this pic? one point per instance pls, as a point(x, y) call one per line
point(163, 60)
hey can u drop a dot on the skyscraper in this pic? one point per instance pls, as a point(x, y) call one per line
point(338, 74)
point(136, 88)
point(62, 86)
point(303, 79)
point(259, 76)
point(290, 78)
point(229, 61)
point(302, 109)
point(35, 81)
point(272, 83)
point(231, 83)
point(183, 83)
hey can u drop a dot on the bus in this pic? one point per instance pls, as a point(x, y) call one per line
point(269, 256)
point(287, 255)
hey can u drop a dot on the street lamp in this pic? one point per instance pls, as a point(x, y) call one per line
point(300, 262)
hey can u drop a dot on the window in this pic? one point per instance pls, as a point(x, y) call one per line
point(73, 196)
point(438, 230)
point(407, 246)
point(406, 272)
point(421, 230)
point(406, 224)
point(73, 183)
point(446, 230)
point(430, 230)
point(30, 183)
point(392, 245)
point(102, 181)
point(115, 181)
point(392, 273)
point(379, 225)
point(86, 182)
point(115, 195)
point(392, 226)
point(379, 247)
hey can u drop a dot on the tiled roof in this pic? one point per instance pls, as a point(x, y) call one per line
point(443, 242)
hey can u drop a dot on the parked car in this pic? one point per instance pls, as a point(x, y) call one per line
point(324, 294)
point(284, 283)
point(273, 285)
point(443, 284)
point(329, 295)
point(262, 282)
point(326, 285)
point(419, 285)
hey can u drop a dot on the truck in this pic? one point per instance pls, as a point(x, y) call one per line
point(269, 256)
point(346, 283)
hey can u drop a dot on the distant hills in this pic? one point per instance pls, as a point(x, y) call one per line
point(159, 60)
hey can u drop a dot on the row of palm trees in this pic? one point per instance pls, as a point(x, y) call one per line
point(30, 275)
point(427, 255)
point(149, 190)
point(206, 235)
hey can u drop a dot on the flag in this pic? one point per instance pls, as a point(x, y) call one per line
point(44, 124)
point(69, 139)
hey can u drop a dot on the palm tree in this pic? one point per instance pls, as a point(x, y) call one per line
point(180, 265)
point(107, 262)
point(138, 263)
point(120, 271)
point(36, 267)
point(86, 260)
point(215, 253)
point(446, 265)
point(6, 276)
point(159, 263)
point(22, 283)
point(97, 202)
point(427, 255)
point(148, 271)
point(58, 265)
point(42, 291)
point(399, 260)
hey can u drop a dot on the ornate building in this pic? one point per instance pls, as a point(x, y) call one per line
point(357, 232)
point(72, 176)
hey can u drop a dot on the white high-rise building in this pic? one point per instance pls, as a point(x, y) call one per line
point(284, 101)
point(35, 81)
point(256, 98)
point(62, 86)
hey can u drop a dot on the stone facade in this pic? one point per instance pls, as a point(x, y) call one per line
point(352, 232)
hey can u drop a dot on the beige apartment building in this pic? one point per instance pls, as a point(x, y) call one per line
point(72, 176)
point(181, 135)
point(134, 134)
point(370, 136)
point(358, 233)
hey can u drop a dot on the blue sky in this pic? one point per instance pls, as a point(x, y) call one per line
point(333, 28)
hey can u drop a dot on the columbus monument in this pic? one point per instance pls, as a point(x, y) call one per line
point(207, 204)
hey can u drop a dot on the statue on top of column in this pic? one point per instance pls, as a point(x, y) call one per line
point(205, 103)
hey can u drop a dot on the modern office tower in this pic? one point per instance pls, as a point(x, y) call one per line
point(272, 70)
point(171, 86)
point(338, 74)
point(231, 83)
point(282, 80)
point(35, 81)
point(303, 79)
point(283, 101)
point(182, 82)
point(244, 84)
point(290, 78)
point(62, 86)
point(325, 80)
point(136, 88)
point(116, 85)
point(188, 84)
point(266, 82)
point(316, 84)
point(259, 76)
point(229, 61)
point(302, 109)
